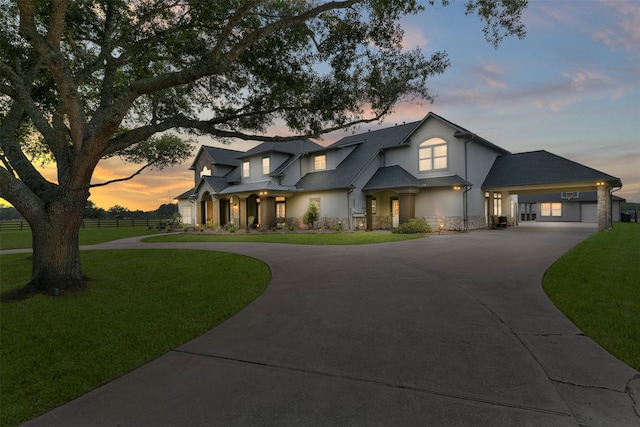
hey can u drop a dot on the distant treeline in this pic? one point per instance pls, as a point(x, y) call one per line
point(91, 211)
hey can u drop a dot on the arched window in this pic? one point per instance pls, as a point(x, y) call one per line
point(432, 155)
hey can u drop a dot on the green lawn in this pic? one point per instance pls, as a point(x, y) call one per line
point(88, 236)
point(597, 286)
point(139, 305)
point(321, 238)
point(55, 349)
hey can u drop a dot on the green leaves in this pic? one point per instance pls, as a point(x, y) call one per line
point(159, 153)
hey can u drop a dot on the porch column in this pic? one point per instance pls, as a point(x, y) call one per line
point(267, 212)
point(369, 213)
point(604, 207)
point(242, 212)
point(407, 206)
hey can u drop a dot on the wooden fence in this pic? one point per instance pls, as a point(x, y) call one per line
point(91, 223)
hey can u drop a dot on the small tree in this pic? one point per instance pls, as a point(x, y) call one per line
point(312, 213)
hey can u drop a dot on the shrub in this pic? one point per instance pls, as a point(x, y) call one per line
point(412, 227)
point(312, 213)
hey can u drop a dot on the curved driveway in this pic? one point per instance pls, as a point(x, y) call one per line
point(451, 330)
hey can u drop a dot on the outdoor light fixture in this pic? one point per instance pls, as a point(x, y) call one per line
point(456, 187)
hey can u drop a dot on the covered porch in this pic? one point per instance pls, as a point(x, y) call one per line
point(541, 172)
point(394, 196)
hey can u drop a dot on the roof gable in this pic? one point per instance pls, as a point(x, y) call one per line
point(287, 147)
point(220, 156)
point(185, 195)
point(541, 167)
point(389, 177)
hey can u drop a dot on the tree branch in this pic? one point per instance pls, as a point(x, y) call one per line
point(12, 151)
point(211, 64)
point(102, 184)
point(49, 51)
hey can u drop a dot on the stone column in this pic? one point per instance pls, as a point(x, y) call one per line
point(242, 212)
point(604, 207)
point(267, 212)
point(407, 207)
point(369, 214)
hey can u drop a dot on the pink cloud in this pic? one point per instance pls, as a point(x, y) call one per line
point(414, 38)
point(627, 33)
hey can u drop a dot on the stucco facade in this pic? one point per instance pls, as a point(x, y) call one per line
point(432, 169)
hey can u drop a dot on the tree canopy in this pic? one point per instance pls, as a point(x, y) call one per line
point(85, 80)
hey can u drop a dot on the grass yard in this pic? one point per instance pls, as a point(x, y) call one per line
point(330, 238)
point(597, 286)
point(88, 236)
point(139, 305)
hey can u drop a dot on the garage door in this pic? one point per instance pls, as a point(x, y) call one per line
point(589, 212)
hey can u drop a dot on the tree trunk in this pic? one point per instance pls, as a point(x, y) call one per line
point(56, 249)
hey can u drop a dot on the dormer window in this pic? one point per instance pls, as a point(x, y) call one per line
point(266, 165)
point(246, 169)
point(205, 172)
point(320, 162)
point(432, 155)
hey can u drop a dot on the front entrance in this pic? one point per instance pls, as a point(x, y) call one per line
point(395, 213)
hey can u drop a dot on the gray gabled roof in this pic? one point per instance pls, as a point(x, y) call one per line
point(216, 183)
point(185, 195)
point(390, 177)
point(541, 167)
point(286, 147)
point(367, 145)
point(220, 156)
point(279, 171)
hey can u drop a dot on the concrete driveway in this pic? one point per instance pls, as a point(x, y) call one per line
point(451, 330)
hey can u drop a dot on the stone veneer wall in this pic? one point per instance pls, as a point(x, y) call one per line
point(383, 222)
point(325, 222)
point(455, 223)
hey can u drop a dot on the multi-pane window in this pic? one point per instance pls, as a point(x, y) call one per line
point(186, 215)
point(280, 207)
point(497, 203)
point(550, 209)
point(320, 162)
point(246, 169)
point(432, 155)
point(266, 166)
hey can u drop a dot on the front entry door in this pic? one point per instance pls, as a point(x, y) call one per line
point(395, 213)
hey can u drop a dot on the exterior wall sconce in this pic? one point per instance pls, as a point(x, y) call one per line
point(600, 183)
point(456, 187)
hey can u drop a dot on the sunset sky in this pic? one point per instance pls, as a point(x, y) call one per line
point(571, 87)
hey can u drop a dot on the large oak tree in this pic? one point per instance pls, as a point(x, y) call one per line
point(81, 81)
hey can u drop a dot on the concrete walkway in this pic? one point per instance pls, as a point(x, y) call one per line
point(451, 330)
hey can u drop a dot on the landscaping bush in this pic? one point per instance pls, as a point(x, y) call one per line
point(412, 227)
point(312, 213)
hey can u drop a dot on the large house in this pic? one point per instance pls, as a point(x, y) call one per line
point(431, 169)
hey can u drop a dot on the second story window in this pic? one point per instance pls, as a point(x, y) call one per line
point(266, 166)
point(246, 169)
point(432, 155)
point(320, 162)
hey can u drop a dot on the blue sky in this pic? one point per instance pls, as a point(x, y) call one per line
point(571, 87)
